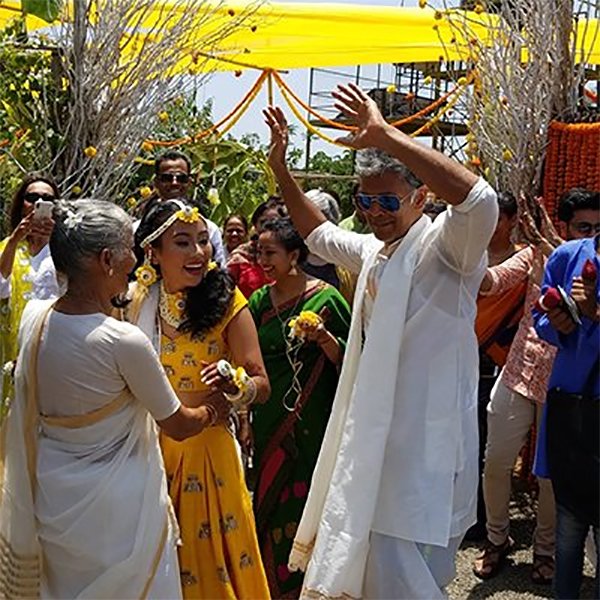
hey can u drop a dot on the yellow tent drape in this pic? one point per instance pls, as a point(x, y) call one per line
point(281, 35)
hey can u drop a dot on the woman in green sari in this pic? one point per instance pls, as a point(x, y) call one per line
point(303, 369)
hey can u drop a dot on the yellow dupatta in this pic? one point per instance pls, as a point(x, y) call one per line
point(11, 310)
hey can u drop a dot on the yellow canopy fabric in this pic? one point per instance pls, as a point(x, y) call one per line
point(10, 9)
point(281, 35)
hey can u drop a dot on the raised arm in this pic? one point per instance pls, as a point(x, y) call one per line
point(445, 177)
point(304, 213)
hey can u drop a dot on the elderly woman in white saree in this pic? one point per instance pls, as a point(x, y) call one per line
point(84, 509)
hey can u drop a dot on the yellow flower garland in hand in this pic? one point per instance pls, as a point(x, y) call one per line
point(306, 318)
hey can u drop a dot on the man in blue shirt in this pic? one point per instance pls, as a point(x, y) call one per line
point(568, 444)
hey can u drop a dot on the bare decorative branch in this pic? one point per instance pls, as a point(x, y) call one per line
point(123, 61)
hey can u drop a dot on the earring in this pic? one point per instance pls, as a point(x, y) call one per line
point(146, 275)
point(111, 272)
point(293, 270)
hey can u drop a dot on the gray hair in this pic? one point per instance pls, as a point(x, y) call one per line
point(83, 228)
point(326, 203)
point(373, 162)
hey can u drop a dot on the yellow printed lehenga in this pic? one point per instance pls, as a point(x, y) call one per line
point(219, 556)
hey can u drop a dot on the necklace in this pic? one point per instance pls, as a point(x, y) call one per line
point(171, 307)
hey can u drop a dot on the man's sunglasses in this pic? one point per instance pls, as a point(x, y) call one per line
point(177, 177)
point(389, 202)
point(586, 228)
point(33, 197)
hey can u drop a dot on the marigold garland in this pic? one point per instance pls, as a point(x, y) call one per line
point(572, 160)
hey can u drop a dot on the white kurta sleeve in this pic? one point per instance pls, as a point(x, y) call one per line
point(467, 228)
point(216, 239)
point(141, 369)
point(340, 247)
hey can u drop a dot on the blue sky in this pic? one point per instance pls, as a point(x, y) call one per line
point(226, 91)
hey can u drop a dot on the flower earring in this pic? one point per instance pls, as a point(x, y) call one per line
point(146, 275)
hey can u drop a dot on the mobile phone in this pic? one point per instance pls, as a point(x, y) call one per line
point(43, 209)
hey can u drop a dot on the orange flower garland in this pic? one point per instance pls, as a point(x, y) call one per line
point(572, 160)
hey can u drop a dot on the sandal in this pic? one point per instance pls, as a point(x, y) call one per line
point(542, 570)
point(491, 559)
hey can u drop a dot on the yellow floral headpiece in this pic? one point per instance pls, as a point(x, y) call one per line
point(186, 213)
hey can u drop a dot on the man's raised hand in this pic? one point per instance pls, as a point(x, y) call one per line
point(364, 113)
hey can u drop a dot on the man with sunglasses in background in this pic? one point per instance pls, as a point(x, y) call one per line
point(395, 486)
point(172, 179)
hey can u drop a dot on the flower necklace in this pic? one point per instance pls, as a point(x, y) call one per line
point(171, 307)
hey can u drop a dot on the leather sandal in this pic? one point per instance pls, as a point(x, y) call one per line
point(491, 559)
point(542, 570)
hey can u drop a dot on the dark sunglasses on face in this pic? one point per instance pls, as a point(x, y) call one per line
point(389, 202)
point(178, 177)
point(33, 197)
point(586, 228)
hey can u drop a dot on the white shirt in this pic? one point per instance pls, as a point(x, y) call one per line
point(42, 275)
point(216, 239)
point(427, 490)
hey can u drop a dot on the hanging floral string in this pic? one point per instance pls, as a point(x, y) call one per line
point(421, 113)
point(219, 128)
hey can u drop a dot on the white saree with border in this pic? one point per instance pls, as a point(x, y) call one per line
point(84, 511)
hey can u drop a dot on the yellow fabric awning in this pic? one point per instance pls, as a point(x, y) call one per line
point(283, 35)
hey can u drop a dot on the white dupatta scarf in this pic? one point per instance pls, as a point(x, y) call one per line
point(143, 311)
point(332, 541)
point(101, 455)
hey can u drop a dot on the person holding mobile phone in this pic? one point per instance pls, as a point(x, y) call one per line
point(26, 267)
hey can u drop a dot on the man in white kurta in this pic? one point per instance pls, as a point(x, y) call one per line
point(395, 486)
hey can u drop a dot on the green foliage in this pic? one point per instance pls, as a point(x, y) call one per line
point(237, 169)
point(33, 98)
point(48, 10)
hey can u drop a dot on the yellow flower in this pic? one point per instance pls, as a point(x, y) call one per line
point(390, 89)
point(76, 190)
point(241, 379)
point(507, 155)
point(90, 151)
point(213, 196)
point(147, 146)
point(146, 275)
point(163, 116)
point(188, 214)
point(306, 318)
point(462, 80)
point(131, 202)
point(422, 3)
point(145, 192)
point(438, 15)
point(212, 265)
point(479, 8)
point(427, 80)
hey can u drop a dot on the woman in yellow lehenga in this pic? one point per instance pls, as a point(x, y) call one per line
point(195, 316)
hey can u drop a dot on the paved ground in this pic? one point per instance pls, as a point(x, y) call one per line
point(513, 582)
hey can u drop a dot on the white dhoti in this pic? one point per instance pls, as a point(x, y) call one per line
point(406, 570)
